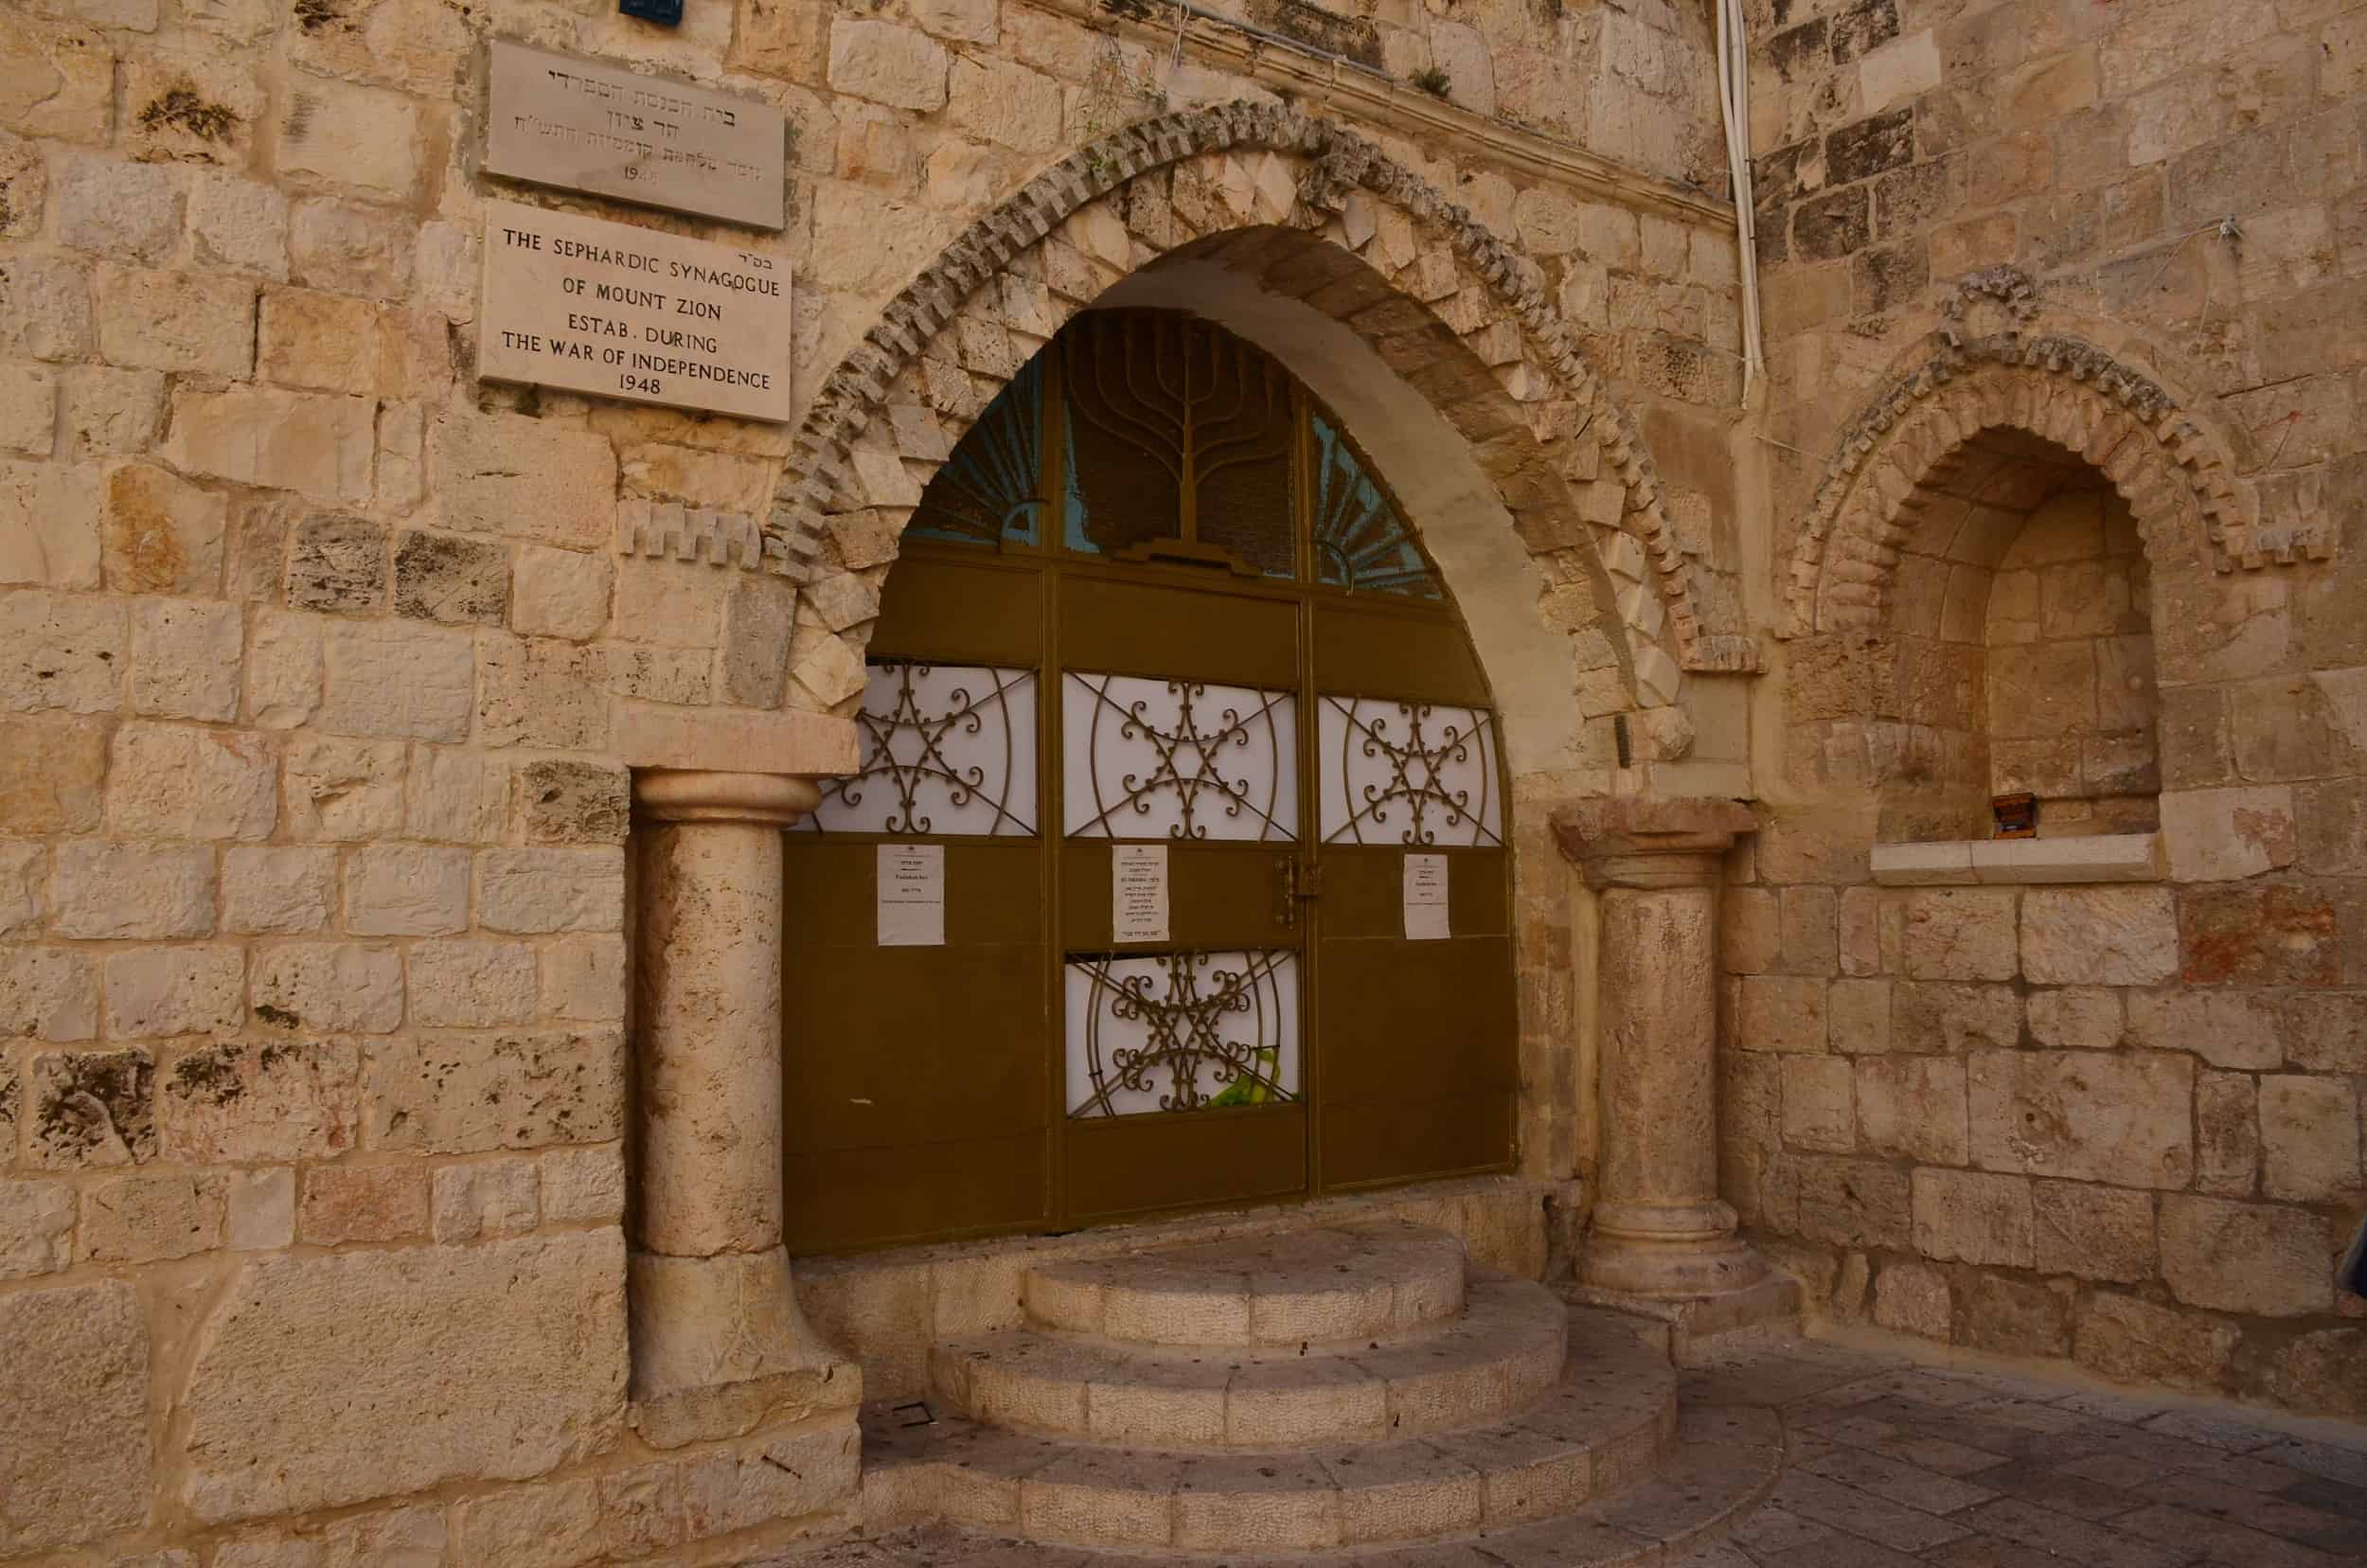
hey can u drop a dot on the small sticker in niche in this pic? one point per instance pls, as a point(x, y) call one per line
point(912, 895)
point(1426, 898)
point(1138, 893)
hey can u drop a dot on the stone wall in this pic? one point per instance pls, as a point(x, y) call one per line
point(2121, 1124)
point(322, 662)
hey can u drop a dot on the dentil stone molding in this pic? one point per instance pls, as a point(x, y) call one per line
point(688, 533)
point(1316, 173)
point(2160, 458)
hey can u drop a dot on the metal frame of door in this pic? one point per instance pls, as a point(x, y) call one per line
point(932, 622)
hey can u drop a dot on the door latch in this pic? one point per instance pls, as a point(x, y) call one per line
point(1296, 879)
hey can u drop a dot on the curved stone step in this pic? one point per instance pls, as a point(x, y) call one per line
point(1503, 1352)
point(1597, 1433)
point(1328, 1285)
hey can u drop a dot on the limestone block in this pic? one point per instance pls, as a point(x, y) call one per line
point(2262, 1259)
point(2328, 1033)
point(558, 593)
point(180, 782)
point(351, 135)
point(338, 561)
point(340, 788)
point(350, 248)
point(151, 1215)
point(368, 1202)
point(2224, 835)
point(48, 525)
point(537, 692)
point(2099, 936)
point(1747, 930)
point(74, 1441)
point(2077, 1018)
point(585, 1187)
point(473, 1093)
point(185, 322)
point(785, 1477)
point(108, 412)
point(2227, 1134)
point(1851, 1202)
point(237, 225)
point(2135, 1341)
point(2012, 1317)
point(58, 651)
point(1931, 1015)
point(484, 1198)
point(263, 1209)
point(1004, 103)
point(455, 796)
point(1960, 935)
point(48, 993)
point(549, 890)
point(2255, 934)
point(506, 474)
point(1462, 53)
point(1962, 1216)
point(2224, 1028)
point(239, 1102)
point(324, 1380)
point(1819, 1108)
point(2093, 1232)
point(549, 1526)
point(583, 978)
point(277, 891)
point(254, 555)
point(51, 774)
point(2125, 1119)
point(2309, 1138)
point(329, 343)
point(171, 990)
point(1912, 1298)
point(91, 1107)
point(759, 621)
point(159, 534)
point(317, 445)
point(24, 883)
point(1782, 1013)
point(1859, 1013)
point(439, 577)
point(406, 890)
point(641, 1508)
point(28, 408)
point(868, 245)
point(36, 1228)
point(565, 802)
point(341, 986)
point(117, 890)
point(46, 312)
point(1805, 931)
point(398, 1538)
point(888, 63)
point(393, 677)
point(123, 212)
point(470, 984)
point(1912, 1107)
point(184, 659)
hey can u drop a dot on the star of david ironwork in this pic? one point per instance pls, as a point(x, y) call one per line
point(1419, 773)
point(909, 749)
point(1188, 1010)
point(1187, 751)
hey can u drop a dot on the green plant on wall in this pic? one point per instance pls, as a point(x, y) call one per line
point(1430, 79)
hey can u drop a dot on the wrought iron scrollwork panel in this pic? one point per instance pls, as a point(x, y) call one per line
point(1178, 759)
point(947, 750)
point(1406, 772)
point(1182, 1031)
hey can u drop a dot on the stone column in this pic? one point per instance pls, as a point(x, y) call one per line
point(718, 1346)
point(1660, 1229)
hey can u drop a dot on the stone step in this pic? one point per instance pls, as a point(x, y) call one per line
point(1597, 1433)
point(1323, 1286)
point(1503, 1352)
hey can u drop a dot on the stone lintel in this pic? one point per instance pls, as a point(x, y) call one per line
point(759, 799)
point(735, 740)
point(2095, 857)
point(1632, 842)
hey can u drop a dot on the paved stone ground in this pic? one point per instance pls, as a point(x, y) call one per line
point(1892, 1463)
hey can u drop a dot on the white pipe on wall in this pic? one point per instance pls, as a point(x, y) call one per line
point(1734, 102)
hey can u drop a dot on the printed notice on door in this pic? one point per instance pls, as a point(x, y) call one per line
point(912, 895)
point(1138, 893)
point(1426, 898)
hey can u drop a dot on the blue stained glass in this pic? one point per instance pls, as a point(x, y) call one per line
point(990, 488)
point(1360, 542)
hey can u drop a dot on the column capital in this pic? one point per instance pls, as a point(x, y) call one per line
point(699, 795)
point(1630, 843)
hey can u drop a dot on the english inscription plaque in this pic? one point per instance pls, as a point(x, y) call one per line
point(557, 120)
point(589, 306)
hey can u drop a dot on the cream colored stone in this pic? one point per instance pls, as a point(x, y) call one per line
point(74, 1446)
point(468, 1094)
point(2224, 1028)
point(888, 63)
point(28, 411)
point(2135, 1341)
point(150, 1216)
point(184, 659)
point(448, 1390)
point(107, 412)
point(48, 993)
point(504, 473)
point(1960, 935)
point(124, 211)
point(1004, 103)
point(406, 890)
point(583, 978)
point(559, 593)
point(455, 796)
point(1913, 1299)
point(183, 322)
point(2223, 836)
point(784, 1477)
point(24, 888)
point(364, 1202)
point(2126, 1118)
point(470, 984)
point(2246, 1257)
point(1782, 1014)
point(329, 986)
point(2093, 1232)
point(484, 1198)
point(1943, 1016)
point(179, 782)
point(319, 446)
point(175, 990)
point(59, 81)
point(121, 890)
point(2309, 1139)
point(2077, 1018)
point(351, 135)
point(243, 1102)
point(238, 224)
point(1819, 1104)
point(1962, 1216)
point(1913, 1107)
point(48, 525)
point(263, 1209)
point(52, 771)
point(396, 679)
point(2104, 935)
point(36, 1228)
point(276, 891)
point(339, 789)
point(547, 1527)
point(160, 534)
point(551, 890)
point(585, 1185)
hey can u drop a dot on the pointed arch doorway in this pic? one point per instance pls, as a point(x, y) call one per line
point(1174, 872)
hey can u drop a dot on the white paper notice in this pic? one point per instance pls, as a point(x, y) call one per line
point(1426, 898)
point(912, 895)
point(1138, 893)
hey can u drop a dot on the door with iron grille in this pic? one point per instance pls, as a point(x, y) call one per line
point(1173, 874)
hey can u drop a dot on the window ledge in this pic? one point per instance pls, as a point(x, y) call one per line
point(2103, 858)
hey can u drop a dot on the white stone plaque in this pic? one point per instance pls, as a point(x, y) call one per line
point(1138, 893)
point(1426, 898)
point(557, 120)
point(912, 895)
point(629, 312)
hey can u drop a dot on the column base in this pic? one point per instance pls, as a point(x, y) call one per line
point(719, 1350)
point(1668, 1251)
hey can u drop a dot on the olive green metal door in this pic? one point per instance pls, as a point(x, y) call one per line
point(1173, 874)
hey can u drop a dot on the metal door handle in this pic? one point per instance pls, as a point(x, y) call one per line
point(1297, 880)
